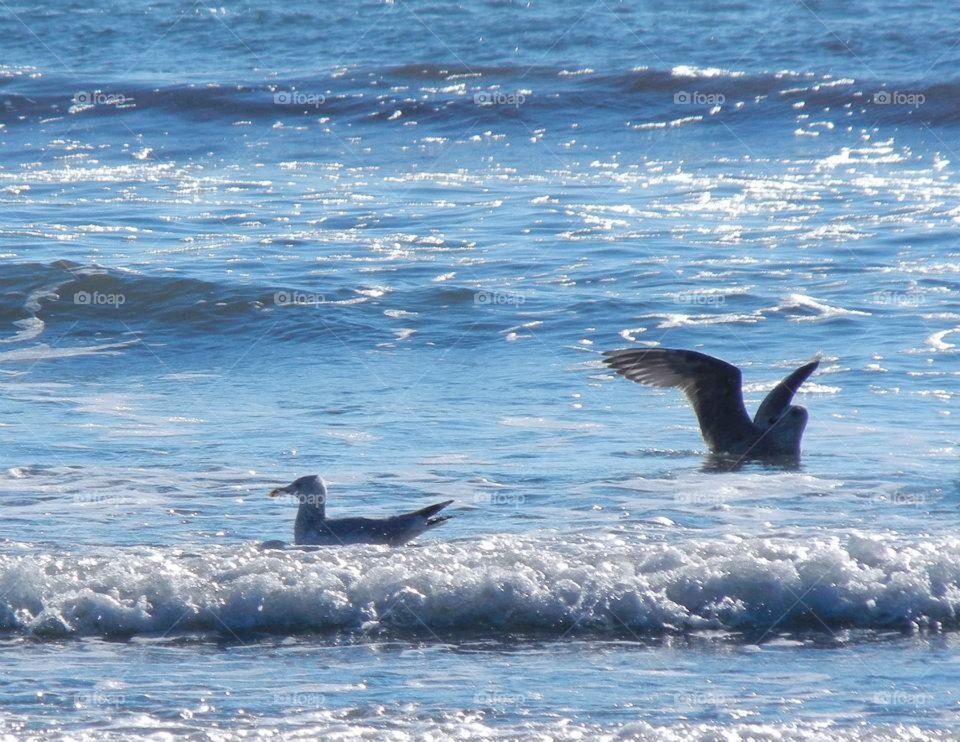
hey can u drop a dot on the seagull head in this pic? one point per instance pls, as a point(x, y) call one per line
point(309, 490)
point(786, 431)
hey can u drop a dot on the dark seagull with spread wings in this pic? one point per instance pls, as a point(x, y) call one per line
point(713, 388)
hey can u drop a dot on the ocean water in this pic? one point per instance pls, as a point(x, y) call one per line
point(387, 243)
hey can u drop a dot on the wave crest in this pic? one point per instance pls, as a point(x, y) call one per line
point(588, 585)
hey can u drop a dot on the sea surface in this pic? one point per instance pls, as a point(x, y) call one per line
point(387, 243)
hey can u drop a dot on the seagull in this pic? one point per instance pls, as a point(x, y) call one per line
point(313, 528)
point(713, 388)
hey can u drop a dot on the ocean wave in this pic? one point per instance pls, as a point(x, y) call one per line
point(502, 585)
point(469, 724)
point(38, 300)
point(454, 92)
point(35, 296)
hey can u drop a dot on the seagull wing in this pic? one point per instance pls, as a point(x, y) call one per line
point(711, 385)
point(778, 400)
point(393, 531)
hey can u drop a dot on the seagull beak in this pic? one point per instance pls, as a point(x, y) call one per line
point(278, 491)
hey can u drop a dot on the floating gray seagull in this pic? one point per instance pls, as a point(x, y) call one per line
point(713, 388)
point(313, 528)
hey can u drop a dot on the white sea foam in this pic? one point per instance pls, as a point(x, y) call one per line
point(468, 724)
point(595, 584)
point(304, 721)
point(937, 342)
point(44, 352)
point(819, 310)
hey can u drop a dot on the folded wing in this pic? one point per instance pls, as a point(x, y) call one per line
point(410, 525)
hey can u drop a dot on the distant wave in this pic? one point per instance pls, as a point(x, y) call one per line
point(544, 584)
point(37, 299)
point(34, 295)
point(441, 92)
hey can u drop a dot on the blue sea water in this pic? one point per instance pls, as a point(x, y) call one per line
point(387, 242)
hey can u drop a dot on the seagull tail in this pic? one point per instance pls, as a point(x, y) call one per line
point(413, 524)
point(428, 512)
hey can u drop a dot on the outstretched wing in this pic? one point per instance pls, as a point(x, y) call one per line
point(778, 400)
point(711, 385)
